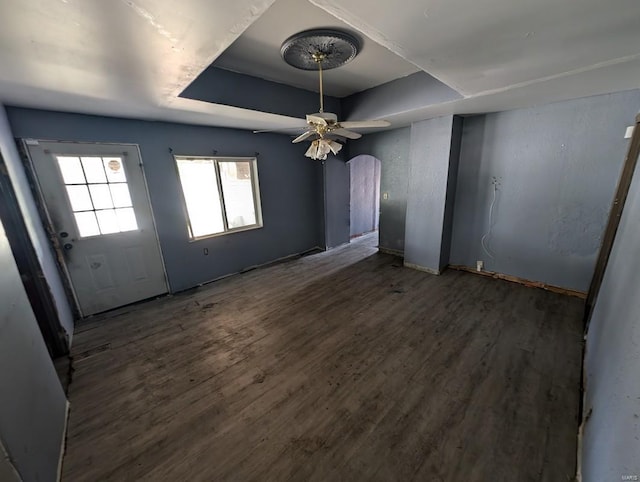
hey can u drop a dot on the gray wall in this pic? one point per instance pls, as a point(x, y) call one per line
point(220, 86)
point(364, 206)
point(429, 184)
point(392, 148)
point(557, 166)
point(452, 183)
point(336, 200)
point(32, 403)
point(33, 223)
point(291, 202)
point(611, 443)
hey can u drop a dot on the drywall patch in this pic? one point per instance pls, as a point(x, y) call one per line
point(576, 231)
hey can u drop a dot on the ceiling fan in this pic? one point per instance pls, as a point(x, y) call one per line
point(322, 50)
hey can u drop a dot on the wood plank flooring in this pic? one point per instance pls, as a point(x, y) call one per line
point(337, 366)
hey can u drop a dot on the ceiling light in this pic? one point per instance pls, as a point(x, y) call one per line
point(320, 148)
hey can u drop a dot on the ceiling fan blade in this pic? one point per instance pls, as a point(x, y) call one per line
point(303, 137)
point(314, 119)
point(365, 124)
point(301, 128)
point(345, 133)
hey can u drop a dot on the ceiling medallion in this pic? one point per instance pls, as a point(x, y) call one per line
point(335, 46)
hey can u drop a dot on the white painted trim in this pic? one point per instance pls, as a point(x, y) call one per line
point(63, 442)
point(394, 252)
point(422, 268)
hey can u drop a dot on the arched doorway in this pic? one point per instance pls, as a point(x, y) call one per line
point(364, 204)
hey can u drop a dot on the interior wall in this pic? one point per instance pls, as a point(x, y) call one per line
point(364, 205)
point(611, 430)
point(292, 205)
point(32, 402)
point(34, 224)
point(431, 173)
point(556, 167)
point(392, 148)
point(336, 201)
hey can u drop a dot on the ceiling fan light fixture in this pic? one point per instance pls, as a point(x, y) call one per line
point(320, 148)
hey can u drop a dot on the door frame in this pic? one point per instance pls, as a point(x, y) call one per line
point(45, 217)
point(36, 286)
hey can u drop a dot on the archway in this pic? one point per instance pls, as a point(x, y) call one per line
point(364, 204)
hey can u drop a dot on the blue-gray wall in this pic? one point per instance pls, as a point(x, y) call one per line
point(611, 431)
point(557, 167)
point(336, 200)
point(364, 206)
point(34, 225)
point(32, 403)
point(392, 148)
point(289, 188)
point(432, 175)
point(220, 86)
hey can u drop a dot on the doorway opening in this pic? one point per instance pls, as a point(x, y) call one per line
point(364, 204)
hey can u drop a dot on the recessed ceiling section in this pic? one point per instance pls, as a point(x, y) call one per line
point(257, 52)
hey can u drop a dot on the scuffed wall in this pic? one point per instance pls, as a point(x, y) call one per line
point(555, 168)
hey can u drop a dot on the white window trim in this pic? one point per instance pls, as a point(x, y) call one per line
point(253, 162)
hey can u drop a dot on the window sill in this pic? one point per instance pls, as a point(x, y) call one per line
point(225, 233)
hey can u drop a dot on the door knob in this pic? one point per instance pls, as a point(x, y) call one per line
point(68, 246)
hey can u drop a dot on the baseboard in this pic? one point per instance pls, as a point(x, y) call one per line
point(422, 268)
point(63, 442)
point(522, 281)
point(393, 252)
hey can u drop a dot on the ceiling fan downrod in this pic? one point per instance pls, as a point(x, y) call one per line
point(319, 57)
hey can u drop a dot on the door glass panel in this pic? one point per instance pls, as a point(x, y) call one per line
point(108, 221)
point(71, 170)
point(79, 198)
point(126, 219)
point(120, 195)
point(114, 169)
point(101, 196)
point(95, 185)
point(237, 190)
point(94, 170)
point(87, 224)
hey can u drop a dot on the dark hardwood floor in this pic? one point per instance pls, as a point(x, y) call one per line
point(337, 366)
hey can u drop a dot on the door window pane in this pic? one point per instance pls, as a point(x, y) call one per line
point(126, 219)
point(108, 221)
point(87, 224)
point(71, 170)
point(120, 195)
point(79, 198)
point(200, 188)
point(115, 169)
point(237, 190)
point(101, 196)
point(93, 170)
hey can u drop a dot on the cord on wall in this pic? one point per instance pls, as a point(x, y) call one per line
point(487, 236)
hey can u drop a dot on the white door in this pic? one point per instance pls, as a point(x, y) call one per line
point(97, 203)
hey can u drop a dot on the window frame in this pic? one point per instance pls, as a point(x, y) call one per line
point(255, 187)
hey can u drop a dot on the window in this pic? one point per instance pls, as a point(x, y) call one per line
point(221, 194)
point(98, 194)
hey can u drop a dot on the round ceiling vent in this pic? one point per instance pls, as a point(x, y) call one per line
point(305, 50)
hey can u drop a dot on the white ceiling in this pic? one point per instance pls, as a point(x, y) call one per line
point(132, 58)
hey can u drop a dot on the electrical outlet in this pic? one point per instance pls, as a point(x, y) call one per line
point(479, 265)
point(385, 195)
